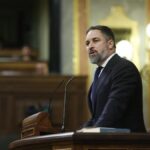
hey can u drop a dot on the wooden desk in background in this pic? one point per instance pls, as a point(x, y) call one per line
point(84, 141)
point(13, 68)
point(18, 93)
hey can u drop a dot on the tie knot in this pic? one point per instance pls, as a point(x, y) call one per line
point(97, 72)
point(99, 68)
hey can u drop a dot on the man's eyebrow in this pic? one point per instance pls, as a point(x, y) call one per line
point(95, 38)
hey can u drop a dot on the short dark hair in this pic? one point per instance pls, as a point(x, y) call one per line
point(105, 30)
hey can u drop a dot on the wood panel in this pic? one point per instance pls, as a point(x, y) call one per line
point(19, 93)
point(23, 68)
point(85, 141)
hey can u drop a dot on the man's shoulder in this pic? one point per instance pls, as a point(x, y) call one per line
point(120, 61)
point(119, 64)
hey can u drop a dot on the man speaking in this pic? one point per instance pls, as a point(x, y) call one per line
point(115, 96)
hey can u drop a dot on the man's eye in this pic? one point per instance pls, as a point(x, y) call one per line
point(96, 40)
point(87, 43)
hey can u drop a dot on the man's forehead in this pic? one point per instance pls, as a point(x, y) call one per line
point(93, 34)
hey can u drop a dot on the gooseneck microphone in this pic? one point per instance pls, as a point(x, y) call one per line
point(64, 106)
point(51, 98)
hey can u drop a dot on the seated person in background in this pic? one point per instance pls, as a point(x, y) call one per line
point(115, 96)
point(41, 69)
point(26, 53)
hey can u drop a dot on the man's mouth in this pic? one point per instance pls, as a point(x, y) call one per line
point(92, 53)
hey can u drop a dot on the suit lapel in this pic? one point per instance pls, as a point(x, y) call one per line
point(104, 75)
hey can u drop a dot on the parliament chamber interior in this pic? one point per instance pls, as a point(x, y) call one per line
point(44, 66)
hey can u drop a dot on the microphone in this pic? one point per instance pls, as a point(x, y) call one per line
point(51, 98)
point(64, 106)
point(40, 122)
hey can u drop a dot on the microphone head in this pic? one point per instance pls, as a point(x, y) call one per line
point(70, 79)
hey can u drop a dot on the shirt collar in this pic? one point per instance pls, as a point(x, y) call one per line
point(107, 60)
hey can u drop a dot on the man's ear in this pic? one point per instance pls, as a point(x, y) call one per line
point(111, 44)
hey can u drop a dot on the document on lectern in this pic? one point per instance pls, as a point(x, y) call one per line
point(103, 130)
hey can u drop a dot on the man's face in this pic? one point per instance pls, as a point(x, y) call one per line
point(98, 46)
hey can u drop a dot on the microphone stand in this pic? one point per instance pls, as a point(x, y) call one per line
point(64, 108)
point(41, 122)
point(50, 100)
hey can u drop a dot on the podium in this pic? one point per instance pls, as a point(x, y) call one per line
point(36, 124)
point(84, 141)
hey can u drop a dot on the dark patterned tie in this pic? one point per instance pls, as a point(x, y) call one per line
point(96, 76)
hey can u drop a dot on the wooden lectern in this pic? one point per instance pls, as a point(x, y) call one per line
point(84, 141)
point(37, 124)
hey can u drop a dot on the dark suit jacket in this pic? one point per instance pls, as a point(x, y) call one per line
point(118, 97)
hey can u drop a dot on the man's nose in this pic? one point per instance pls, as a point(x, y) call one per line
point(90, 47)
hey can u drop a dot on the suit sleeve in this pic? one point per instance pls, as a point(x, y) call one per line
point(125, 81)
